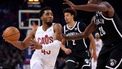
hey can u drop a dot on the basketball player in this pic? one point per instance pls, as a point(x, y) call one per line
point(99, 44)
point(77, 50)
point(110, 29)
point(47, 41)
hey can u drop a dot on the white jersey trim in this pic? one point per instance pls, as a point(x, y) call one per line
point(86, 65)
point(113, 24)
point(72, 27)
point(85, 42)
point(70, 61)
point(64, 30)
point(116, 66)
point(78, 27)
point(81, 32)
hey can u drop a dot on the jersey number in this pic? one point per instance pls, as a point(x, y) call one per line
point(46, 52)
point(73, 42)
point(102, 31)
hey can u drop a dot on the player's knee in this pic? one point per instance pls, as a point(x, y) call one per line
point(35, 65)
point(86, 67)
point(70, 64)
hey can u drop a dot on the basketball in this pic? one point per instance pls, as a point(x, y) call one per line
point(11, 33)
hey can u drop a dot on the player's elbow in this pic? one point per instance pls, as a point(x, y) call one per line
point(21, 48)
point(85, 35)
point(101, 8)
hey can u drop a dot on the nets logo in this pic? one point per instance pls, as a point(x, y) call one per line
point(113, 62)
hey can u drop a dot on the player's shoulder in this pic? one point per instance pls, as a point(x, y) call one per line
point(57, 25)
point(106, 3)
point(81, 23)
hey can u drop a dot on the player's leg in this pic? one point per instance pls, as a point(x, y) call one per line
point(48, 67)
point(103, 58)
point(86, 61)
point(70, 63)
point(115, 59)
point(35, 62)
point(36, 65)
point(94, 63)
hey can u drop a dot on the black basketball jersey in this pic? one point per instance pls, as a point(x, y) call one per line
point(75, 45)
point(110, 29)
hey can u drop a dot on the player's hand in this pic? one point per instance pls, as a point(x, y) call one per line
point(69, 3)
point(67, 51)
point(35, 45)
point(9, 41)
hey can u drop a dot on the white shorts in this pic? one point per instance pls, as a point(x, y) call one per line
point(94, 64)
point(37, 64)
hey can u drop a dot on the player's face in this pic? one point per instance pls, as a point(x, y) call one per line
point(47, 17)
point(68, 17)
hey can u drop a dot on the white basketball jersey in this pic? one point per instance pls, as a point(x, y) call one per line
point(46, 56)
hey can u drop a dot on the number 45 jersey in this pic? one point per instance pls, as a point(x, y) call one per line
point(48, 54)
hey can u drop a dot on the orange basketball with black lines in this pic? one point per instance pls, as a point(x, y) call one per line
point(11, 33)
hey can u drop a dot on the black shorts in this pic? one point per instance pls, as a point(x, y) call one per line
point(81, 60)
point(110, 57)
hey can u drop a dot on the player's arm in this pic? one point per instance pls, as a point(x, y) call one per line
point(87, 7)
point(63, 44)
point(58, 37)
point(92, 46)
point(58, 32)
point(25, 43)
point(63, 47)
point(88, 30)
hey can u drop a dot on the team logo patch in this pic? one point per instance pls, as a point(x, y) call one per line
point(113, 62)
point(87, 61)
point(76, 28)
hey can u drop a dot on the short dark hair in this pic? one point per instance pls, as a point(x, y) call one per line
point(43, 9)
point(71, 11)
